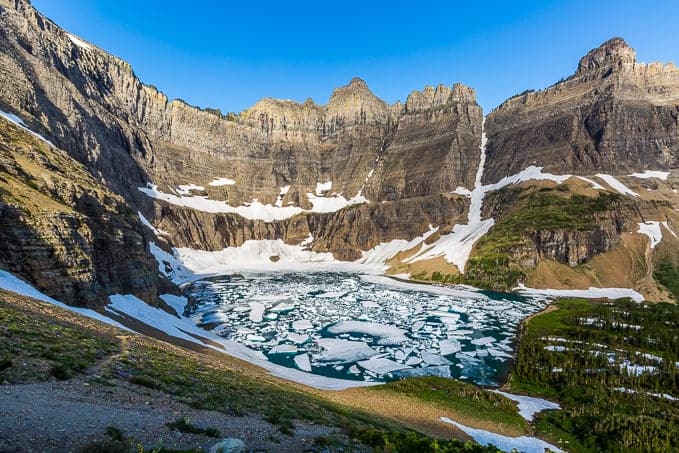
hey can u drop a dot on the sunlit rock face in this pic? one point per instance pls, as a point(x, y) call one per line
point(614, 115)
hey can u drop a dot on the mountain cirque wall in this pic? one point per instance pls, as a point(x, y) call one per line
point(614, 115)
point(128, 134)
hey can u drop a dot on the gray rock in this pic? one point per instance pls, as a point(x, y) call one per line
point(228, 446)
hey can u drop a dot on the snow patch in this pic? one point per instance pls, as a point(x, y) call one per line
point(652, 230)
point(322, 187)
point(591, 293)
point(177, 303)
point(187, 188)
point(617, 185)
point(652, 174)
point(524, 444)
point(79, 42)
point(219, 182)
point(12, 118)
point(254, 210)
point(150, 226)
point(528, 405)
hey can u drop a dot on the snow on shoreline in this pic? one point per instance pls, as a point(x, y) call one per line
point(524, 444)
point(591, 293)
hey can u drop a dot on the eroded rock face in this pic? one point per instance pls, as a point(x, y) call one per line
point(63, 231)
point(613, 115)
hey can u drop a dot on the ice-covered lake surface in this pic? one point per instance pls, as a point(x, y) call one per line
point(362, 327)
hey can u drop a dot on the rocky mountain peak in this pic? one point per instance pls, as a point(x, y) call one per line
point(615, 50)
point(357, 104)
point(431, 98)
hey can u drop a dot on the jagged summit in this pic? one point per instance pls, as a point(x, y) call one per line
point(615, 50)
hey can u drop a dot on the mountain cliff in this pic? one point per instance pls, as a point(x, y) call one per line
point(614, 115)
point(423, 187)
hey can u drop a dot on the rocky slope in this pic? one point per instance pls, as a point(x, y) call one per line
point(63, 231)
point(356, 173)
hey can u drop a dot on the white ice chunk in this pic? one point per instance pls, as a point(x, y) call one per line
point(343, 351)
point(297, 338)
point(256, 311)
point(483, 341)
point(434, 359)
point(386, 334)
point(449, 346)
point(381, 366)
point(302, 361)
point(302, 324)
point(440, 371)
point(283, 349)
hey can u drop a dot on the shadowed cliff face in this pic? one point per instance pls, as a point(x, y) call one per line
point(63, 231)
point(613, 115)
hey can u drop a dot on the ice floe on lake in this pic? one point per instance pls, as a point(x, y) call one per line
point(365, 327)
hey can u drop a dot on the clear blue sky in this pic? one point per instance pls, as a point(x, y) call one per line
point(228, 54)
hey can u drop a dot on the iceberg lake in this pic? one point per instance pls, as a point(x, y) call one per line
point(364, 327)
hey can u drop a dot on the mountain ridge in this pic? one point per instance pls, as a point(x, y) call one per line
point(357, 173)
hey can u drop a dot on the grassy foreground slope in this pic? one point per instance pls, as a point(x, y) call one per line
point(612, 366)
point(41, 342)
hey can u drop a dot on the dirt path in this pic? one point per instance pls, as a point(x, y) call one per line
point(64, 415)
